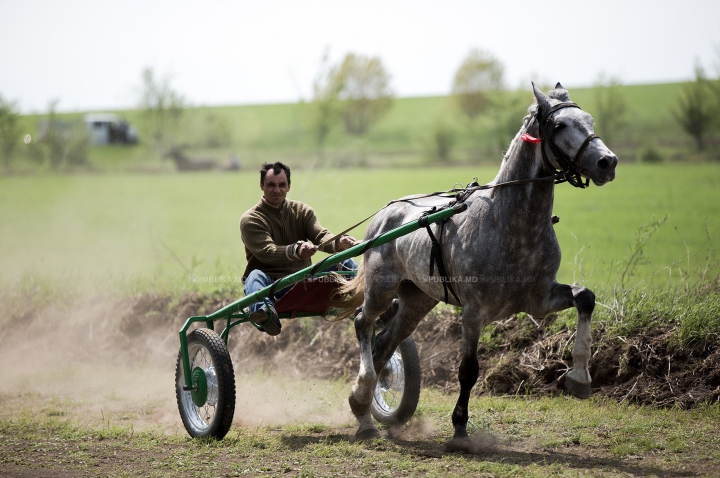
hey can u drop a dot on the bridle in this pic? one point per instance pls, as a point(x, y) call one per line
point(569, 170)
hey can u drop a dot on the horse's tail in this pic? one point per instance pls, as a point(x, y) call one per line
point(349, 296)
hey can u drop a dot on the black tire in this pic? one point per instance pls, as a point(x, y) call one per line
point(397, 392)
point(209, 361)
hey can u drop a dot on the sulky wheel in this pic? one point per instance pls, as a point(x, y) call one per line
point(397, 391)
point(206, 410)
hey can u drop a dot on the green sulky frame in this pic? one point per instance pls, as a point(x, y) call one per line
point(235, 314)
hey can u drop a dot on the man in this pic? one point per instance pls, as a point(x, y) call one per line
point(280, 237)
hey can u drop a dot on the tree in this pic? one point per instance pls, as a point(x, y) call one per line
point(52, 136)
point(479, 74)
point(325, 105)
point(363, 86)
point(695, 111)
point(64, 142)
point(714, 85)
point(512, 106)
point(442, 140)
point(162, 111)
point(612, 107)
point(9, 131)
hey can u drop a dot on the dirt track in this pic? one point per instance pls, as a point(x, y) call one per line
point(116, 357)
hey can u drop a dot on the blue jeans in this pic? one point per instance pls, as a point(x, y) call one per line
point(257, 280)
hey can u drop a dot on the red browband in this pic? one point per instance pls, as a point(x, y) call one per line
point(530, 139)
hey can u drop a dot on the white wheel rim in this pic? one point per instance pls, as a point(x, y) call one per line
point(390, 385)
point(200, 418)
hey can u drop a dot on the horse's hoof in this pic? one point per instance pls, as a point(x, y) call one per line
point(460, 444)
point(461, 434)
point(367, 434)
point(577, 389)
point(358, 409)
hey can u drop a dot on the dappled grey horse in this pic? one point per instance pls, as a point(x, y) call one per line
point(500, 256)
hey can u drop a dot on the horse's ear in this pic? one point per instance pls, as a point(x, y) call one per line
point(542, 100)
point(561, 93)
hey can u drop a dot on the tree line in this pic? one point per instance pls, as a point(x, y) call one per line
point(355, 93)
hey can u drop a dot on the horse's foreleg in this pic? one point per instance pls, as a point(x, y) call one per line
point(578, 380)
point(362, 391)
point(469, 370)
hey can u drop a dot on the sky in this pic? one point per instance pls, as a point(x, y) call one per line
point(89, 55)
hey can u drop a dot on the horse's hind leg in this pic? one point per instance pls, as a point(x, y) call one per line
point(378, 297)
point(414, 306)
point(361, 394)
point(473, 323)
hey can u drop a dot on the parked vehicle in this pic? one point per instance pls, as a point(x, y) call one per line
point(109, 128)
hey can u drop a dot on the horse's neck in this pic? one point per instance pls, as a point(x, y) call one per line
point(525, 202)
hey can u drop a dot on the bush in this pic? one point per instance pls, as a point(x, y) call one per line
point(442, 141)
point(9, 131)
point(650, 155)
point(63, 143)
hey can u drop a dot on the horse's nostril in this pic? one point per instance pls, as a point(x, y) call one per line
point(603, 163)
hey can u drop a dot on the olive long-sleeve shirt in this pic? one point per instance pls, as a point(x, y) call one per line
point(270, 234)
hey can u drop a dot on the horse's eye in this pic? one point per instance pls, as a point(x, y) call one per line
point(559, 126)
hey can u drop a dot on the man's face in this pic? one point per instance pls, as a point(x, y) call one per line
point(275, 188)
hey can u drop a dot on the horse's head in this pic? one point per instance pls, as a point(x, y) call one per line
point(569, 141)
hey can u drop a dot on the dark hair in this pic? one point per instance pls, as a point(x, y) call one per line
point(276, 167)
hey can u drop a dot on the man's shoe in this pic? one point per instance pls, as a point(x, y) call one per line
point(267, 319)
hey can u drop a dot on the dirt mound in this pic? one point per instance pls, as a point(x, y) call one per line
point(523, 356)
point(517, 356)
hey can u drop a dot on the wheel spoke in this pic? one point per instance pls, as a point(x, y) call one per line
point(388, 392)
point(202, 417)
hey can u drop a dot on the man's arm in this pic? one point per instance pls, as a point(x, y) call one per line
point(317, 234)
point(257, 239)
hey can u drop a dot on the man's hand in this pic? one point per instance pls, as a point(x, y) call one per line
point(347, 242)
point(306, 250)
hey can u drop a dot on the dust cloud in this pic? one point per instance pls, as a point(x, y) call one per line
point(99, 362)
point(478, 443)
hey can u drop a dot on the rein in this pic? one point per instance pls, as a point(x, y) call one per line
point(460, 194)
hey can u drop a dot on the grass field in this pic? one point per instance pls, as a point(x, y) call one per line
point(84, 395)
point(257, 133)
point(110, 229)
point(511, 437)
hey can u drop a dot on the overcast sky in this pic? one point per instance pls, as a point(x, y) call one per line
point(90, 54)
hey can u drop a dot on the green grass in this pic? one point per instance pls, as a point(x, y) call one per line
point(512, 437)
point(261, 133)
point(110, 229)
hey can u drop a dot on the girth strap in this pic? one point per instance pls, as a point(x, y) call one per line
point(436, 256)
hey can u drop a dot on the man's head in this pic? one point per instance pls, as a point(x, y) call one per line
point(275, 182)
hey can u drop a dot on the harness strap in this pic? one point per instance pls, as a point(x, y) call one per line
point(436, 255)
